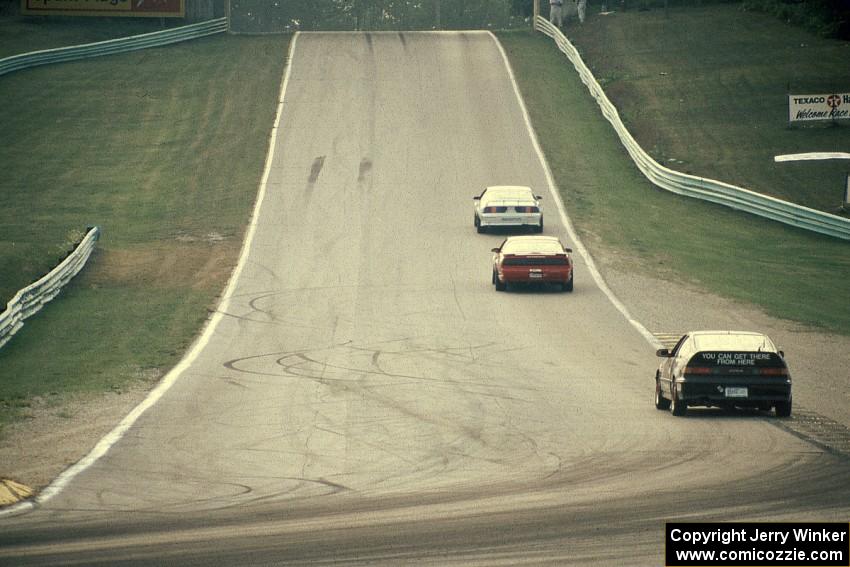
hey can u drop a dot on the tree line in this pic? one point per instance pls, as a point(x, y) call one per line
point(291, 15)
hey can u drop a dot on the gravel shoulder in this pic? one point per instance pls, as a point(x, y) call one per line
point(56, 433)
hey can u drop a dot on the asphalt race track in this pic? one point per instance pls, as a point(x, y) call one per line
point(367, 398)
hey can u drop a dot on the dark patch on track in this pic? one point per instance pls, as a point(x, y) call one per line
point(365, 167)
point(315, 170)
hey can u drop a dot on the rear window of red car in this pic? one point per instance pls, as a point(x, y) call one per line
point(538, 261)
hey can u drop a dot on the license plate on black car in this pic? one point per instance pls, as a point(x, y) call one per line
point(736, 392)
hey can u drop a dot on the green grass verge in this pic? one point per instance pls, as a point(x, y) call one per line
point(790, 273)
point(164, 150)
point(118, 333)
point(707, 87)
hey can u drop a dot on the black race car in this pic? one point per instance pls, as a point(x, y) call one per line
point(723, 369)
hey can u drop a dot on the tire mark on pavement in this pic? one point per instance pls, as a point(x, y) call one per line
point(365, 167)
point(315, 170)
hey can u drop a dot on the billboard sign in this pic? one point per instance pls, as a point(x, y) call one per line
point(131, 8)
point(833, 106)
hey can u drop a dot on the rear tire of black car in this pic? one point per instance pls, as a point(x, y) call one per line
point(661, 403)
point(783, 409)
point(677, 407)
point(500, 286)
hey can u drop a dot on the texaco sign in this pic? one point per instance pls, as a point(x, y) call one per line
point(835, 106)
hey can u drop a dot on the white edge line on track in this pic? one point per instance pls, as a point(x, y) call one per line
point(156, 394)
point(553, 190)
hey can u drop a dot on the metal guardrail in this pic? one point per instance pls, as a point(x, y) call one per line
point(691, 185)
point(32, 298)
point(112, 46)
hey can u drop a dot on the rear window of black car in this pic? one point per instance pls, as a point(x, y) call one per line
point(736, 359)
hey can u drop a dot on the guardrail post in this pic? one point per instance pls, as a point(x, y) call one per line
point(536, 13)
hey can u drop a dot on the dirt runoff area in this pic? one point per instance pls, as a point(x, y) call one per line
point(58, 433)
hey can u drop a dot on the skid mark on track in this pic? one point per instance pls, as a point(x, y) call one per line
point(376, 446)
point(347, 372)
point(254, 304)
point(315, 170)
point(314, 364)
point(261, 314)
point(365, 168)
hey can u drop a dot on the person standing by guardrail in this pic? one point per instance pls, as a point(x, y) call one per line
point(556, 13)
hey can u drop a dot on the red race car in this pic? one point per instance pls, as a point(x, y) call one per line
point(532, 259)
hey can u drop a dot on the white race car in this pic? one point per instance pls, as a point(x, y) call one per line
point(508, 206)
